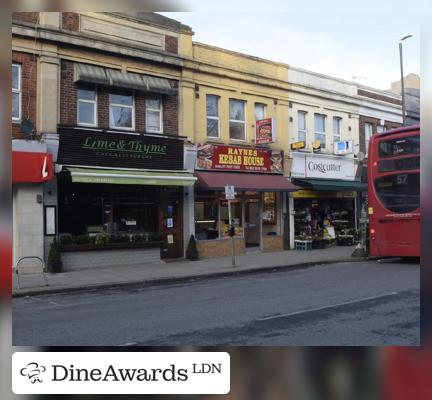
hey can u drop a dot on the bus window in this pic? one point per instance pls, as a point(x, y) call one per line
point(399, 147)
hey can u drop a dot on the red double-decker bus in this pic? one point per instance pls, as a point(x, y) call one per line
point(394, 192)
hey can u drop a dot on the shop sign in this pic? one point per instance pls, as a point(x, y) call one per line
point(298, 145)
point(306, 165)
point(319, 194)
point(343, 147)
point(229, 192)
point(30, 167)
point(234, 158)
point(265, 131)
point(89, 148)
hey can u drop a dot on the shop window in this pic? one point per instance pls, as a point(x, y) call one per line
point(260, 111)
point(212, 111)
point(301, 127)
point(236, 214)
point(121, 110)
point(368, 135)
point(86, 113)
point(154, 115)
point(336, 129)
point(269, 210)
point(16, 92)
point(320, 135)
point(237, 124)
point(206, 219)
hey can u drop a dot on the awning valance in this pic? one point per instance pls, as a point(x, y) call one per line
point(116, 78)
point(330, 184)
point(243, 181)
point(130, 177)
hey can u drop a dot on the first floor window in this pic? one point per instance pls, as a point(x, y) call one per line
point(260, 110)
point(301, 126)
point(320, 129)
point(154, 115)
point(368, 135)
point(212, 111)
point(121, 110)
point(336, 129)
point(237, 124)
point(16, 91)
point(87, 108)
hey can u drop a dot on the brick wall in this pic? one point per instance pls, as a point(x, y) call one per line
point(375, 122)
point(272, 243)
point(28, 89)
point(377, 96)
point(171, 44)
point(70, 21)
point(219, 248)
point(170, 114)
point(32, 17)
point(68, 95)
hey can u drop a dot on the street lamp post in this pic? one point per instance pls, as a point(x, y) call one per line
point(402, 78)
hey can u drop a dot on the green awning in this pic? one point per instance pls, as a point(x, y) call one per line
point(328, 184)
point(130, 177)
point(158, 85)
point(126, 80)
point(90, 74)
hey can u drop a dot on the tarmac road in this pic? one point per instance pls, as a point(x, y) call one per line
point(359, 303)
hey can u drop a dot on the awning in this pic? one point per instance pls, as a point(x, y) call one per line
point(90, 74)
point(129, 81)
point(130, 177)
point(243, 181)
point(158, 85)
point(329, 184)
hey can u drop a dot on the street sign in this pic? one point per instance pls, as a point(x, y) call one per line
point(229, 192)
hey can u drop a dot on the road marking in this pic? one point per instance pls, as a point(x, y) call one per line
point(44, 301)
point(129, 344)
point(276, 316)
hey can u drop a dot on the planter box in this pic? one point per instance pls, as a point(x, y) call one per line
point(272, 243)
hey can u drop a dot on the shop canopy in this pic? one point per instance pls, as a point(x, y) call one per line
point(331, 184)
point(243, 181)
point(130, 177)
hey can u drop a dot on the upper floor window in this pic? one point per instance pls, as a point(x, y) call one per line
point(301, 125)
point(237, 123)
point(336, 129)
point(260, 111)
point(121, 111)
point(212, 111)
point(16, 92)
point(154, 115)
point(368, 135)
point(320, 135)
point(87, 111)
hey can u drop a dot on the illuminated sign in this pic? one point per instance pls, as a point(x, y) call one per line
point(265, 131)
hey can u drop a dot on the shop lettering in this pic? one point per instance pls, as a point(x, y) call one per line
point(237, 156)
point(132, 146)
point(323, 168)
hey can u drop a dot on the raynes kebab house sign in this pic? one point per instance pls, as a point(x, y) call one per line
point(119, 150)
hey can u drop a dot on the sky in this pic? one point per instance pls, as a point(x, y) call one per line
point(358, 43)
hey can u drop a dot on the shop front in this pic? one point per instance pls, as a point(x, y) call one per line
point(325, 210)
point(120, 195)
point(257, 215)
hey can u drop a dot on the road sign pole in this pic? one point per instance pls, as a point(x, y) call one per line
point(232, 237)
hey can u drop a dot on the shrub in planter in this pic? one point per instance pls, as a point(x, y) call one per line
point(54, 258)
point(192, 251)
point(102, 238)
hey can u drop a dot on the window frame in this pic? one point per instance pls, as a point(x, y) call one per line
point(243, 102)
point(18, 90)
point(95, 102)
point(320, 133)
point(124, 106)
point(264, 107)
point(160, 110)
point(339, 120)
point(367, 139)
point(213, 117)
point(301, 131)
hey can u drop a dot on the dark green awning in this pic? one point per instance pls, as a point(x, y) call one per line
point(330, 184)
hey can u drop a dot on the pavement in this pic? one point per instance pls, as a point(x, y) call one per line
point(178, 270)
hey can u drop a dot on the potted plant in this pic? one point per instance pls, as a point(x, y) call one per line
point(54, 258)
point(191, 251)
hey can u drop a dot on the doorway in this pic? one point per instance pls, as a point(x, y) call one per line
point(252, 223)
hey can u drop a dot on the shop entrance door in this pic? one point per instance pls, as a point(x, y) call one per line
point(252, 223)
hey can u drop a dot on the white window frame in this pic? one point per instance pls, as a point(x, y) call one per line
point(302, 131)
point(124, 106)
point(19, 91)
point(94, 102)
point(160, 110)
point(367, 137)
point(380, 129)
point(339, 120)
point(264, 106)
point(320, 133)
point(213, 117)
point(237, 121)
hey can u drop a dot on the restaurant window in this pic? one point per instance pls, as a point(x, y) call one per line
point(368, 135)
point(260, 111)
point(86, 113)
point(269, 208)
point(320, 135)
point(206, 219)
point(301, 128)
point(154, 115)
point(16, 92)
point(121, 110)
point(236, 214)
point(237, 124)
point(336, 129)
point(212, 111)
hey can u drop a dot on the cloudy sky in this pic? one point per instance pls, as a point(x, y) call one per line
point(354, 43)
